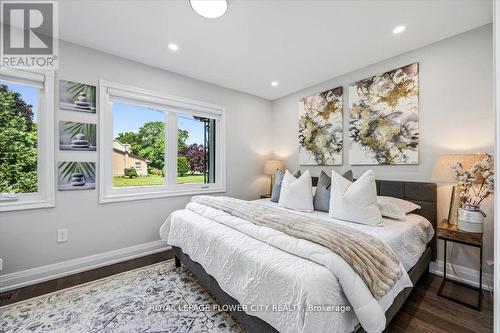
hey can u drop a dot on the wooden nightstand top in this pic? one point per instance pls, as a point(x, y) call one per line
point(451, 233)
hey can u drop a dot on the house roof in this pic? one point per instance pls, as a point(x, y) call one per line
point(125, 149)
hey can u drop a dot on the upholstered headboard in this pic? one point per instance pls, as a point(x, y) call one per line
point(421, 193)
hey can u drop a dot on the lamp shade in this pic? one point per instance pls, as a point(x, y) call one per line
point(443, 173)
point(272, 165)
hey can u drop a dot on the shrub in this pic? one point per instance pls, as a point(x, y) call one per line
point(154, 171)
point(183, 166)
point(130, 172)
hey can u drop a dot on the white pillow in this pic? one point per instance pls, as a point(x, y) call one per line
point(296, 193)
point(355, 202)
point(395, 208)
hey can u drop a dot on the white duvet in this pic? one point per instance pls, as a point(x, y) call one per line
point(280, 279)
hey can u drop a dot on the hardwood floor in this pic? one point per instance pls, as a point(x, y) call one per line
point(424, 311)
point(38, 289)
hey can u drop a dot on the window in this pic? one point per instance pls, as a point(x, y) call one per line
point(160, 145)
point(138, 135)
point(26, 139)
point(196, 149)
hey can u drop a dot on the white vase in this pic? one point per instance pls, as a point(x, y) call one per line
point(470, 219)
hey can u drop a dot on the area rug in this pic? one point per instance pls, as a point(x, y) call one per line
point(156, 298)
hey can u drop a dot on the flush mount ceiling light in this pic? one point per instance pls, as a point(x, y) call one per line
point(274, 83)
point(399, 29)
point(209, 8)
point(173, 47)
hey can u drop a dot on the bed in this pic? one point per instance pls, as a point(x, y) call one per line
point(239, 269)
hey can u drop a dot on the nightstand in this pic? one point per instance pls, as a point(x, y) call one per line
point(450, 233)
point(265, 196)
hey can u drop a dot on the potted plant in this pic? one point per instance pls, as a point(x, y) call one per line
point(475, 184)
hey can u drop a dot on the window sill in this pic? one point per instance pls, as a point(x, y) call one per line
point(119, 197)
point(23, 204)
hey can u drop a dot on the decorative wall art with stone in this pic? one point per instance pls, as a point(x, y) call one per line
point(76, 176)
point(320, 128)
point(75, 96)
point(77, 136)
point(383, 122)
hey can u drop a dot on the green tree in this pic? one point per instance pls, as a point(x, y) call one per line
point(182, 166)
point(23, 109)
point(18, 144)
point(149, 142)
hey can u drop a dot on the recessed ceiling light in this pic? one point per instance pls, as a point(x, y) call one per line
point(209, 8)
point(173, 47)
point(399, 29)
point(274, 83)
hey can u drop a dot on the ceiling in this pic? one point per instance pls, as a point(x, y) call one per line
point(297, 43)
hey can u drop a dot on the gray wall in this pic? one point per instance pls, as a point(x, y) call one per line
point(456, 115)
point(28, 238)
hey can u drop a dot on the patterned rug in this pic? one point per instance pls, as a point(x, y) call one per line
point(157, 298)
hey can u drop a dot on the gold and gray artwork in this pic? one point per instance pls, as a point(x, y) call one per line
point(383, 121)
point(320, 128)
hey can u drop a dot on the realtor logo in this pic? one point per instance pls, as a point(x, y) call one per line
point(29, 34)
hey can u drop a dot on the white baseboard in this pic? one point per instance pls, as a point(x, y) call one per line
point(44, 273)
point(466, 275)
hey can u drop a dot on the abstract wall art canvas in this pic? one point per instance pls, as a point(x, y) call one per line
point(74, 96)
point(383, 120)
point(77, 136)
point(76, 176)
point(320, 128)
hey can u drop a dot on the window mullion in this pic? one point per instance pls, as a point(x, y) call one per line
point(171, 147)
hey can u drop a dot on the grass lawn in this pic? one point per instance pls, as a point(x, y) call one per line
point(139, 181)
point(190, 179)
point(152, 180)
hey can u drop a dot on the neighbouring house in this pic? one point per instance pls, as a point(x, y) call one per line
point(123, 158)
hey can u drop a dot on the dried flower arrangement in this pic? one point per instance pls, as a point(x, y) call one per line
point(477, 183)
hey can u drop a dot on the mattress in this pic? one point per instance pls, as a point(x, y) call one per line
point(276, 285)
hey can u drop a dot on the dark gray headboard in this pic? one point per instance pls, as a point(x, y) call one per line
point(421, 193)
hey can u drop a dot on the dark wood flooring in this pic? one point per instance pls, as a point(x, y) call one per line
point(75, 279)
point(424, 311)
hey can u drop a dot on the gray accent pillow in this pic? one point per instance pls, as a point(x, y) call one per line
point(321, 200)
point(278, 179)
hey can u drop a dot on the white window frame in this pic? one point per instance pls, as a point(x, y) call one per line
point(45, 196)
point(110, 92)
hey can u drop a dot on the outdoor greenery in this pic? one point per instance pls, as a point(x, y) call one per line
point(130, 172)
point(18, 144)
point(152, 180)
point(138, 181)
point(195, 155)
point(149, 143)
point(182, 166)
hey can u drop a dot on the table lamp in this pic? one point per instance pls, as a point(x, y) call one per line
point(443, 173)
point(270, 169)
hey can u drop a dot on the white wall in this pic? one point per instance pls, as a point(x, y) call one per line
point(28, 238)
point(456, 115)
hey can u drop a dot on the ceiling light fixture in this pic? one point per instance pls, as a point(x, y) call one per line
point(399, 29)
point(173, 47)
point(274, 83)
point(209, 8)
